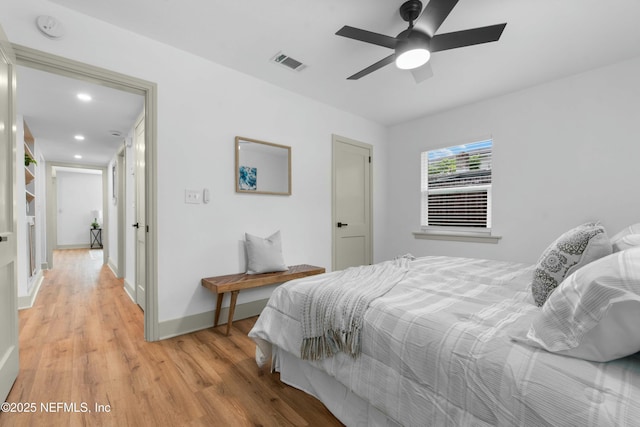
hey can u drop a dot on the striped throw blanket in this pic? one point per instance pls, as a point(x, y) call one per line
point(332, 312)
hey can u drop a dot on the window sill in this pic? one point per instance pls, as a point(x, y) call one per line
point(457, 236)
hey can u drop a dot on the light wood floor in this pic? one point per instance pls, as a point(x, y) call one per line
point(82, 344)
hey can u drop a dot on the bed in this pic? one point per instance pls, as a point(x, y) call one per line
point(446, 344)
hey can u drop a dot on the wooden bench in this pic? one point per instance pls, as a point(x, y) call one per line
point(234, 283)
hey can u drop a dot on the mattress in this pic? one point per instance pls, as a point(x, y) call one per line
point(437, 350)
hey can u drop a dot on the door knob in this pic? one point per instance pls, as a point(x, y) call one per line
point(3, 238)
point(136, 225)
point(342, 224)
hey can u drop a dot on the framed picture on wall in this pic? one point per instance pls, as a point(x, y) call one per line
point(248, 178)
point(262, 167)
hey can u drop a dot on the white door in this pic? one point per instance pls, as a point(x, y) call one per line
point(141, 224)
point(351, 203)
point(8, 248)
point(121, 199)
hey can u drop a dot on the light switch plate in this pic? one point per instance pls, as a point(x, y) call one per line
point(191, 196)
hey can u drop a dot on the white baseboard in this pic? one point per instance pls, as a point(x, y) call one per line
point(196, 322)
point(140, 296)
point(27, 301)
point(113, 267)
point(130, 290)
point(73, 247)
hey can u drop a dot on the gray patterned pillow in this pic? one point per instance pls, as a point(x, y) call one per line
point(574, 249)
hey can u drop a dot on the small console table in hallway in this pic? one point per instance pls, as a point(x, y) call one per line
point(95, 237)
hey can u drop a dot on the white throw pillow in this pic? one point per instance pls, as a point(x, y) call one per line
point(264, 255)
point(627, 238)
point(569, 252)
point(594, 314)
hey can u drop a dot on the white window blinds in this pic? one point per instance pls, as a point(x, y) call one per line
point(456, 186)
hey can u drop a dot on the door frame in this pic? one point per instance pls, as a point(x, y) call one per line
point(51, 206)
point(335, 140)
point(9, 358)
point(43, 61)
point(121, 214)
point(138, 192)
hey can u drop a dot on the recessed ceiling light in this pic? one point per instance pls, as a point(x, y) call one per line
point(79, 137)
point(77, 156)
point(84, 97)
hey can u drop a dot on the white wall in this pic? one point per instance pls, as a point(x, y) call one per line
point(202, 106)
point(41, 211)
point(125, 199)
point(564, 153)
point(112, 209)
point(79, 193)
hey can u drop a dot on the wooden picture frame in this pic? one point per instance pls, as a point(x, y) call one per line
point(262, 167)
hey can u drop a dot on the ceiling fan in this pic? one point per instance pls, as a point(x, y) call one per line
point(414, 46)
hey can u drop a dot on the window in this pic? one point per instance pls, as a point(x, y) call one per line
point(456, 187)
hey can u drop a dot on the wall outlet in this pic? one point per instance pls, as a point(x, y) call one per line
point(191, 196)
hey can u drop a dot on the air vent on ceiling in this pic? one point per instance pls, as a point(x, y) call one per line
point(288, 62)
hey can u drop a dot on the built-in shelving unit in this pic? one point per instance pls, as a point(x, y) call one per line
point(28, 176)
point(30, 194)
point(29, 171)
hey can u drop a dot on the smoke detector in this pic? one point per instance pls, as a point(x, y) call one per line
point(50, 27)
point(288, 62)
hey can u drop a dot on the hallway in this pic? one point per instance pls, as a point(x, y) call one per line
point(84, 361)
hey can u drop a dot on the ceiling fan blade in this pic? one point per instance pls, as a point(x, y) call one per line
point(367, 36)
point(423, 73)
point(434, 15)
point(464, 38)
point(370, 69)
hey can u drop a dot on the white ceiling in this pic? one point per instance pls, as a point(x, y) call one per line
point(54, 115)
point(544, 40)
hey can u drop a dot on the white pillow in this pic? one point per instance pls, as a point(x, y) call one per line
point(627, 242)
point(569, 252)
point(264, 255)
point(627, 238)
point(594, 314)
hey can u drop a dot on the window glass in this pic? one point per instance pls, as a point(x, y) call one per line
point(456, 186)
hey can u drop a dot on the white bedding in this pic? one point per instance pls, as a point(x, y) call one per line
point(436, 350)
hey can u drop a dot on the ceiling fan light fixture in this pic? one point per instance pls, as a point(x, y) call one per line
point(413, 46)
point(413, 52)
point(413, 58)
